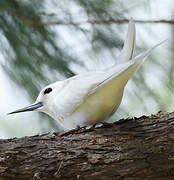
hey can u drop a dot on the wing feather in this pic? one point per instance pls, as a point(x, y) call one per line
point(83, 87)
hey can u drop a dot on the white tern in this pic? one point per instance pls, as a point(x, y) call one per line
point(90, 97)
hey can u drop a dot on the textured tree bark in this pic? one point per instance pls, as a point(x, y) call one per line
point(132, 149)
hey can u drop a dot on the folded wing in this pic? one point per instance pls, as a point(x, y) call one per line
point(82, 89)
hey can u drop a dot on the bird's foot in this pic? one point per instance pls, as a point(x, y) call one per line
point(102, 124)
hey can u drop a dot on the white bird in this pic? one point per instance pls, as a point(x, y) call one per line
point(91, 97)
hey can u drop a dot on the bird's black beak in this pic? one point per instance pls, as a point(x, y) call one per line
point(28, 108)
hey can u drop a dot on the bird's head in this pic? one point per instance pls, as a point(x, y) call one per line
point(44, 100)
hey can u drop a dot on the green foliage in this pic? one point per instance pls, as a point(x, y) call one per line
point(31, 50)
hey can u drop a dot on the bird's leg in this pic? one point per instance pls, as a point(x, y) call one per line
point(78, 127)
point(102, 124)
point(96, 125)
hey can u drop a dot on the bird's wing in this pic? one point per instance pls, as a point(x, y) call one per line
point(129, 43)
point(123, 72)
point(78, 89)
point(81, 87)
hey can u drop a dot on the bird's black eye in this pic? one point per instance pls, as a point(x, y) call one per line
point(48, 90)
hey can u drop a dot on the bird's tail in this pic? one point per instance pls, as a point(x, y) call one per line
point(129, 43)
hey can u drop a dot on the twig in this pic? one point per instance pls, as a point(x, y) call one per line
point(99, 22)
point(110, 21)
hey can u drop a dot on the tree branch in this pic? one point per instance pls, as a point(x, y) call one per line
point(138, 148)
point(98, 22)
point(77, 23)
point(101, 22)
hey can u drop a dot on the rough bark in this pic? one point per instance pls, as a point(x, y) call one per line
point(138, 148)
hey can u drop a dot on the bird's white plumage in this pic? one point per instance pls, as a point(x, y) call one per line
point(129, 43)
point(93, 96)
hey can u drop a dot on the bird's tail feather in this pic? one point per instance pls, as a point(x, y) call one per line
point(129, 43)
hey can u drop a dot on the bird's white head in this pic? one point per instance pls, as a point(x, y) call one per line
point(45, 100)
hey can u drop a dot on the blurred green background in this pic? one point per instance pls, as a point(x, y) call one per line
point(39, 46)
